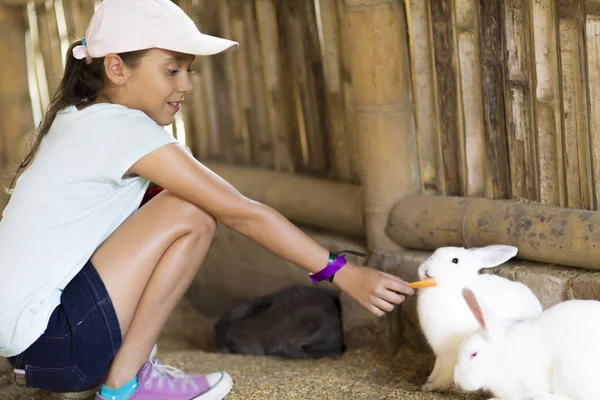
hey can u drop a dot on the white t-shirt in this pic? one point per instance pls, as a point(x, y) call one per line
point(70, 199)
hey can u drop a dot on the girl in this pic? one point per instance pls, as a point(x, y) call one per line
point(88, 280)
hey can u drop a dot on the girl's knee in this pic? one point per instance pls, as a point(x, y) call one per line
point(204, 223)
point(194, 218)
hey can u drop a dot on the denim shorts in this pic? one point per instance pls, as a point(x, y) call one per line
point(82, 339)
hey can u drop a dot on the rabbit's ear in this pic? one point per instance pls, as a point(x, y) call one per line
point(484, 316)
point(494, 255)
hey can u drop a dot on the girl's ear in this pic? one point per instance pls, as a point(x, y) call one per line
point(115, 68)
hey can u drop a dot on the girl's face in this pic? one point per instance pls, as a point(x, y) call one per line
point(158, 85)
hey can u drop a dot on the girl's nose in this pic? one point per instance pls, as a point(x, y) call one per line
point(186, 85)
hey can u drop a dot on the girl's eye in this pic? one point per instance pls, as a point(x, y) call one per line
point(174, 72)
point(473, 355)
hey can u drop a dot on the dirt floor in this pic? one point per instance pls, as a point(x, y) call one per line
point(187, 344)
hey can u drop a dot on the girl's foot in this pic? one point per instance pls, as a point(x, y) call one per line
point(162, 382)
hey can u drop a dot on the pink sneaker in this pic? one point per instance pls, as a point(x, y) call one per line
point(162, 382)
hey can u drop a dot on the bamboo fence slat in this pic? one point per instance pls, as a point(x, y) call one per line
point(493, 79)
point(332, 71)
point(549, 132)
point(303, 84)
point(467, 25)
point(519, 112)
point(233, 82)
point(592, 31)
point(348, 91)
point(269, 40)
point(577, 179)
point(49, 44)
point(421, 50)
point(258, 120)
point(447, 94)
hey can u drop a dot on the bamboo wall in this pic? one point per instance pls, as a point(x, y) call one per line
point(507, 94)
point(502, 99)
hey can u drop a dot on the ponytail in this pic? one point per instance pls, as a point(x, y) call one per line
point(80, 85)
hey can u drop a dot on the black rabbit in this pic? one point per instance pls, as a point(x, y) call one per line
point(293, 323)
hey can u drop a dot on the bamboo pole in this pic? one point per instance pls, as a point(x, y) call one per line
point(592, 38)
point(348, 95)
point(519, 112)
point(493, 85)
point(16, 115)
point(197, 111)
point(384, 111)
point(270, 50)
point(578, 179)
point(236, 82)
point(542, 233)
point(467, 24)
point(244, 88)
point(318, 139)
point(446, 75)
point(77, 15)
point(332, 70)
point(549, 132)
point(187, 110)
point(213, 87)
point(317, 202)
point(421, 52)
point(50, 44)
point(233, 83)
point(260, 135)
point(303, 84)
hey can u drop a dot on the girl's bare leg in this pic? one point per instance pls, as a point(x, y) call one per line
point(147, 265)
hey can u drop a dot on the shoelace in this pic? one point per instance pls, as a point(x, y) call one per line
point(171, 375)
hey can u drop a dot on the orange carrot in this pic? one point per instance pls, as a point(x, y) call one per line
point(423, 284)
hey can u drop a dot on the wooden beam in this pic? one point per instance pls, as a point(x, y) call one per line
point(315, 202)
point(542, 233)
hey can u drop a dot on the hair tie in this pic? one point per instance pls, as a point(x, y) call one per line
point(80, 52)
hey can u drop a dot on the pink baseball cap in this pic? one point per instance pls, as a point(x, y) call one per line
point(120, 26)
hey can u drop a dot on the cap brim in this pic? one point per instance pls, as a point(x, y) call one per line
point(206, 45)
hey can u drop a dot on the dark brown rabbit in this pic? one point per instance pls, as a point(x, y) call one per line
point(293, 323)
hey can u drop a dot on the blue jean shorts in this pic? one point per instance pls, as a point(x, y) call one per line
point(82, 339)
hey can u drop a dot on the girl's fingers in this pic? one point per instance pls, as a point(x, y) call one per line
point(376, 311)
point(392, 297)
point(398, 287)
point(383, 305)
point(393, 277)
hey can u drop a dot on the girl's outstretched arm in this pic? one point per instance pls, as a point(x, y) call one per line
point(176, 170)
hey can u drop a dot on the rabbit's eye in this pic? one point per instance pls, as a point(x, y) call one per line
point(455, 260)
point(473, 355)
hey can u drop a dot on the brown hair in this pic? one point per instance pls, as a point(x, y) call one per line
point(80, 85)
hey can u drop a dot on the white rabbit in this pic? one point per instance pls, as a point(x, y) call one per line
point(443, 315)
point(554, 356)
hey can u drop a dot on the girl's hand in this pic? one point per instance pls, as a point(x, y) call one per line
point(377, 291)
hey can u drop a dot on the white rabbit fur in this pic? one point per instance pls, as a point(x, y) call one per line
point(443, 315)
point(554, 356)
